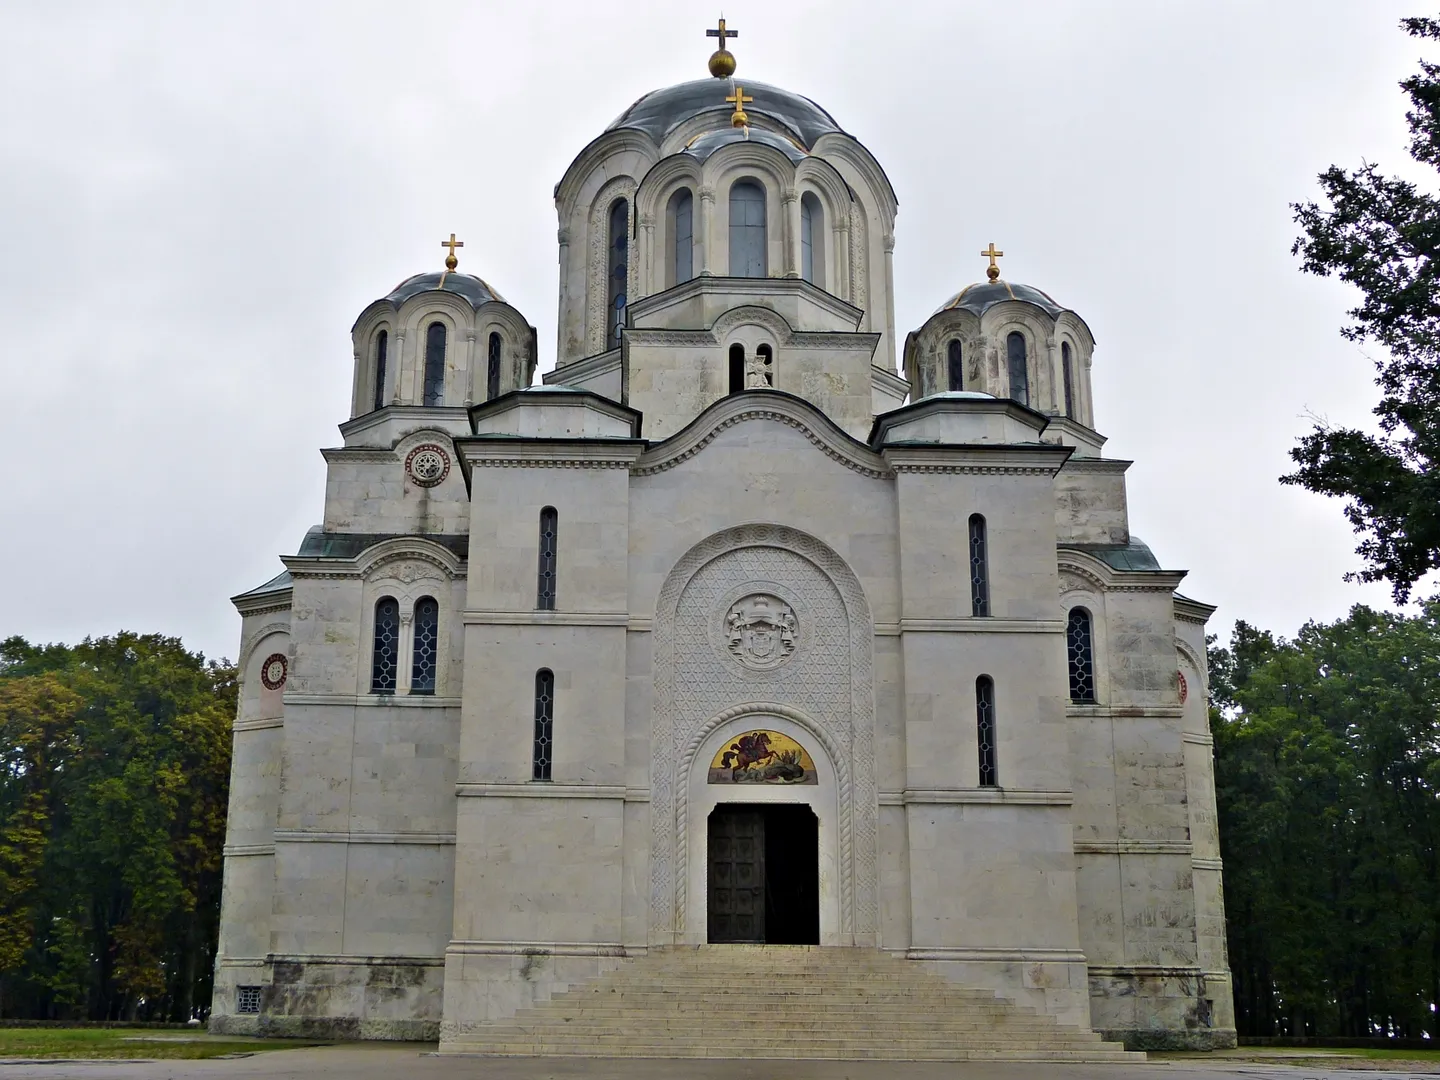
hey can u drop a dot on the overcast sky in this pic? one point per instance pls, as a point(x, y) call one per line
point(197, 199)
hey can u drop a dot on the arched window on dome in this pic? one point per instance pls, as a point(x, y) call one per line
point(747, 230)
point(1080, 654)
point(434, 364)
point(382, 347)
point(737, 368)
point(1019, 376)
point(954, 366)
point(1067, 372)
point(492, 368)
point(617, 272)
point(682, 228)
point(812, 240)
point(427, 646)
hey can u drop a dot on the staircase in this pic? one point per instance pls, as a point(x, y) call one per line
point(783, 1001)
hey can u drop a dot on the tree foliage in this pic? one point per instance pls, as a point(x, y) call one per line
point(1327, 757)
point(114, 775)
point(1382, 234)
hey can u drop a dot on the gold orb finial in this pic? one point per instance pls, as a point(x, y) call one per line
point(739, 99)
point(450, 260)
point(722, 60)
point(992, 271)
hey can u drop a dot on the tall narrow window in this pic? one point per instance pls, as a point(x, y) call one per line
point(1019, 379)
point(544, 752)
point(1067, 372)
point(427, 646)
point(747, 230)
point(386, 662)
point(812, 240)
point(737, 368)
point(682, 218)
point(545, 595)
point(1080, 651)
point(985, 728)
point(954, 367)
point(435, 364)
point(492, 369)
point(617, 271)
point(382, 347)
point(979, 568)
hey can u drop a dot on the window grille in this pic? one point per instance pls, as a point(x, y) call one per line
point(544, 724)
point(1081, 654)
point(427, 646)
point(492, 369)
point(1019, 377)
point(382, 346)
point(1067, 372)
point(985, 729)
point(435, 364)
point(737, 368)
point(549, 523)
point(747, 230)
point(247, 999)
point(979, 567)
point(683, 205)
point(618, 271)
point(954, 367)
point(387, 646)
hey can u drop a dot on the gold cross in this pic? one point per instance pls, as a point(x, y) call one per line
point(722, 34)
point(450, 260)
point(739, 99)
point(993, 272)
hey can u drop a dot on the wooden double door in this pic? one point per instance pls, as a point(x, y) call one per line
point(764, 874)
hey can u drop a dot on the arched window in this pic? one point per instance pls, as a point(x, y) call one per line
point(545, 593)
point(1067, 373)
point(382, 347)
point(682, 227)
point(979, 568)
point(954, 367)
point(1080, 651)
point(617, 271)
point(812, 240)
point(747, 230)
point(985, 729)
point(492, 369)
point(427, 646)
point(1019, 379)
point(386, 663)
point(737, 368)
point(544, 749)
point(435, 364)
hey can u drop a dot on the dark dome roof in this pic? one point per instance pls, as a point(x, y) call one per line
point(467, 285)
point(702, 146)
point(981, 297)
point(661, 111)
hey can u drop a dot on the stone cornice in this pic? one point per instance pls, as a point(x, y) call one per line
point(771, 405)
point(1097, 465)
point(509, 452)
point(321, 836)
point(1107, 579)
point(546, 618)
point(1030, 460)
point(975, 796)
point(585, 368)
point(358, 455)
point(265, 603)
point(752, 287)
point(971, 625)
point(1133, 847)
point(1125, 712)
point(544, 789)
point(1193, 611)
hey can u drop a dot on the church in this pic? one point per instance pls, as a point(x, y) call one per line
point(758, 660)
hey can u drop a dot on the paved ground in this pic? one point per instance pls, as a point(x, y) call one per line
point(373, 1062)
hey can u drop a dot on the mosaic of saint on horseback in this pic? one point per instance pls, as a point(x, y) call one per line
point(763, 757)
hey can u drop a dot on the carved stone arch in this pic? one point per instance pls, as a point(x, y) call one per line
point(253, 641)
point(750, 314)
point(818, 175)
point(1202, 669)
point(596, 291)
point(1082, 578)
point(375, 561)
point(740, 558)
point(934, 342)
point(667, 175)
point(1005, 318)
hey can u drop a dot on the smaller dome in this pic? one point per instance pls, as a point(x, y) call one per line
point(981, 297)
point(661, 111)
point(469, 286)
point(702, 146)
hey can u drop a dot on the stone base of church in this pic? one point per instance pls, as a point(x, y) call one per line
point(1052, 984)
point(485, 983)
point(1161, 1039)
point(1158, 1008)
point(382, 998)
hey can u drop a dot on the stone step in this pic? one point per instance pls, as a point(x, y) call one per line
point(821, 1053)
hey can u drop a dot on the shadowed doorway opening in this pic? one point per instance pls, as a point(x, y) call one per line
point(764, 875)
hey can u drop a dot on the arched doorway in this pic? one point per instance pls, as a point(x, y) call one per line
point(763, 874)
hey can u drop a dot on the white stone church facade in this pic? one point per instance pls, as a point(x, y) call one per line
point(525, 704)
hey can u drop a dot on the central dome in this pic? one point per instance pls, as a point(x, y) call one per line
point(661, 111)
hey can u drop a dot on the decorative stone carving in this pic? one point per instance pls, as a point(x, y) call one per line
point(274, 671)
point(760, 631)
point(427, 465)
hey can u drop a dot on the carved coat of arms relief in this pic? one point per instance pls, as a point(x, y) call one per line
point(760, 631)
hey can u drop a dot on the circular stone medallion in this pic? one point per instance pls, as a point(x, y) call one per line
point(274, 671)
point(427, 465)
point(760, 631)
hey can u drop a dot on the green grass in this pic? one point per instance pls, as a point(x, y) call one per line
point(1301, 1055)
point(88, 1042)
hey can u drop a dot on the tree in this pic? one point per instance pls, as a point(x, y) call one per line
point(1382, 234)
